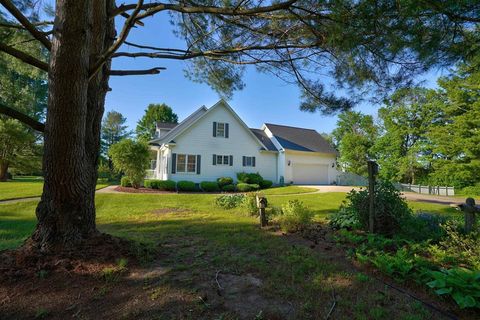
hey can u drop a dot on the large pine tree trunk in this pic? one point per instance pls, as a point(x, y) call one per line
point(66, 212)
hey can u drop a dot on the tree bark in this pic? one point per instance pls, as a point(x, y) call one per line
point(66, 212)
point(3, 170)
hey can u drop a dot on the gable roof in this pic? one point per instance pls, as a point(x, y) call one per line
point(166, 125)
point(196, 116)
point(260, 134)
point(180, 127)
point(300, 139)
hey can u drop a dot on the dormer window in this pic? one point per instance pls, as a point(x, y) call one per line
point(220, 129)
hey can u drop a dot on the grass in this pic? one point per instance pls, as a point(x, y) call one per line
point(287, 190)
point(198, 238)
point(24, 187)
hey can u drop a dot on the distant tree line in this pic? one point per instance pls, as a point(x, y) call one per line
point(421, 135)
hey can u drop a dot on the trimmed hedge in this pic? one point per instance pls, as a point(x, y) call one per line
point(224, 181)
point(250, 178)
point(164, 185)
point(229, 188)
point(209, 186)
point(246, 187)
point(265, 184)
point(125, 182)
point(186, 186)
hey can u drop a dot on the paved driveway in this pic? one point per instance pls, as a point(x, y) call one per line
point(409, 195)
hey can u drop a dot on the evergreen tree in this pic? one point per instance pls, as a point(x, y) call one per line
point(113, 130)
point(153, 114)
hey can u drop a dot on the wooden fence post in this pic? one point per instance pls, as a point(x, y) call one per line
point(261, 205)
point(372, 174)
point(470, 210)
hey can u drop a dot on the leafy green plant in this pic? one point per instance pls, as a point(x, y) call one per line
point(245, 187)
point(131, 157)
point(391, 210)
point(461, 284)
point(345, 218)
point(125, 182)
point(186, 186)
point(224, 181)
point(229, 188)
point(250, 204)
point(250, 178)
point(296, 216)
point(209, 186)
point(230, 201)
point(164, 185)
point(265, 184)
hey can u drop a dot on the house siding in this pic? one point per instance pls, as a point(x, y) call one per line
point(199, 140)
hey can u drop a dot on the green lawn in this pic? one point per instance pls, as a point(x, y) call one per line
point(287, 190)
point(195, 236)
point(25, 187)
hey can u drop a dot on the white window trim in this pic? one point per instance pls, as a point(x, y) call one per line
point(222, 130)
point(251, 161)
point(186, 163)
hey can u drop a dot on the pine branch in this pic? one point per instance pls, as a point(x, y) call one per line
point(27, 24)
point(23, 118)
point(136, 72)
point(24, 57)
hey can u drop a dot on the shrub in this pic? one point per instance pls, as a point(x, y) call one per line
point(151, 184)
point(186, 186)
point(250, 204)
point(250, 178)
point(165, 185)
point(224, 181)
point(265, 184)
point(230, 201)
point(391, 210)
point(461, 284)
point(209, 186)
point(131, 157)
point(296, 216)
point(472, 191)
point(125, 182)
point(229, 188)
point(345, 218)
point(245, 187)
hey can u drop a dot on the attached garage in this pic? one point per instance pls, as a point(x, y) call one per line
point(310, 173)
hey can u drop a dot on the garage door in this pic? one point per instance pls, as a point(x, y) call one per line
point(310, 174)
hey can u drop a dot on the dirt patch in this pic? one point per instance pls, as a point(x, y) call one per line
point(170, 210)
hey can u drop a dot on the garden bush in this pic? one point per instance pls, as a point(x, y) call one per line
point(246, 187)
point(224, 181)
point(249, 178)
point(163, 185)
point(230, 201)
point(250, 204)
point(125, 182)
point(229, 188)
point(472, 191)
point(295, 217)
point(186, 186)
point(265, 184)
point(345, 218)
point(209, 186)
point(131, 157)
point(391, 210)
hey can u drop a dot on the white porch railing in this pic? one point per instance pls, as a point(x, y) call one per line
point(149, 174)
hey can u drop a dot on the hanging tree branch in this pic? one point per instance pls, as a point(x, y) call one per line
point(40, 36)
point(136, 72)
point(23, 118)
point(24, 57)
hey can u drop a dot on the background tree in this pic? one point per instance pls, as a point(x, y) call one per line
point(153, 114)
point(24, 88)
point(361, 45)
point(355, 135)
point(403, 148)
point(113, 130)
point(132, 158)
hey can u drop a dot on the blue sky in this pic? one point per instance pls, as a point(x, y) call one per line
point(264, 99)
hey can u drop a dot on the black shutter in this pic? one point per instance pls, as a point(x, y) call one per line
point(199, 163)
point(214, 160)
point(244, 161)
point(214, 129)
point(253, 161)
point(226, 130)
point(174, 162)
point(231, 161)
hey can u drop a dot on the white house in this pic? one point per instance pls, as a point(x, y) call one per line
point(215, 142)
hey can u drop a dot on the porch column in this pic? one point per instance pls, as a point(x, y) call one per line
point(157, 165)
